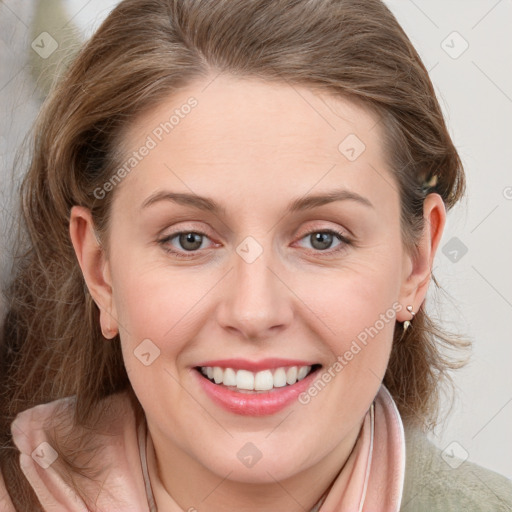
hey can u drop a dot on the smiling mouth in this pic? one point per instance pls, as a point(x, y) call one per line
point(245, 381)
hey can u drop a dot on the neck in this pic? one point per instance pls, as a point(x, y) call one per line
point(178, 478)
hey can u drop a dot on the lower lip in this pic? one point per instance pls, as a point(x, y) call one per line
point(257, 403)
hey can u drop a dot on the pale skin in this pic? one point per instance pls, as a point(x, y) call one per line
point(253, 147)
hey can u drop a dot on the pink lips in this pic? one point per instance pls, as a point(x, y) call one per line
point(255, 403)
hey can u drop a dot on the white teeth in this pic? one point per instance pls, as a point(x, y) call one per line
point(303, 371)
point(218, 374)
point(244, 380)
point(263, 380)
point(279, 378)
point(229, 377)
point(291, 375)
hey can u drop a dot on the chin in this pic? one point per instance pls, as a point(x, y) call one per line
point(252, 465)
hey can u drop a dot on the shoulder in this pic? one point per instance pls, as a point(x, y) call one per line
point(56, 421)
point(50, 413)
point(100, 459)
point(438, 481)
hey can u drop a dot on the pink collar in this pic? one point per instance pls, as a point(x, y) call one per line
point(372, 478)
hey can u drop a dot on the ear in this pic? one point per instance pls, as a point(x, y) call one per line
point(95, 267)
point(418, 265)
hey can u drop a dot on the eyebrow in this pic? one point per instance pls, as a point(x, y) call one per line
point(297, 205)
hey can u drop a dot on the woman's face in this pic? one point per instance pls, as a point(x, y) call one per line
point(244, 269)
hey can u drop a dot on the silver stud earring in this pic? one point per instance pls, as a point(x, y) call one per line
point(407, 323)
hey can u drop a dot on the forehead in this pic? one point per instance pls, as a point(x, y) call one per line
point(263, 109)
point(255, 137)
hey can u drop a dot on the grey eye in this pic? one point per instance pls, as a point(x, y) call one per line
point(190, 241)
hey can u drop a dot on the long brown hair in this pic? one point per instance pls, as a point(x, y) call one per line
point(145, 50)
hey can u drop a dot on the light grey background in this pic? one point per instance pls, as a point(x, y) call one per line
point(474, 86)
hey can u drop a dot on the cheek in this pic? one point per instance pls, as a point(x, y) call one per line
point(157, 311)
point(353, 298)
point(357, 311)
point(163, 305)
point(152, 298)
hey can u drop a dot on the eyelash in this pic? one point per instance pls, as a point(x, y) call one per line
point(190, 254)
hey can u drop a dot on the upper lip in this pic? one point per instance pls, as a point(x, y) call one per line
point(254, 366)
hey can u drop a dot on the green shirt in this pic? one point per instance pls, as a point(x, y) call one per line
point(431, 484)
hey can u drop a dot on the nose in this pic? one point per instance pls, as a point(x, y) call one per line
point(257, 302)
